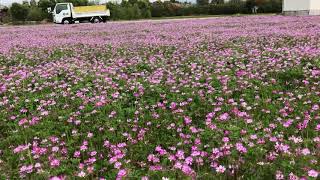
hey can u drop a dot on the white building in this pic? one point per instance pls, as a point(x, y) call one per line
point(301, 7)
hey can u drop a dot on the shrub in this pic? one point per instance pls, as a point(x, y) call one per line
point(145, 8)
point(5, 15)
point(136, 12)
point(19, 12)
point(75, 2)
point(43, 5)
point(35, 14)
point(157, 9)
point(202, 2)
point(271, 6)
point(228, 8)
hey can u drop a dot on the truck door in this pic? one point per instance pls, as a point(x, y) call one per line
point(62, 13)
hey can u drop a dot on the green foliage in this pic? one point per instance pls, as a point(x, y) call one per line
point(75, 2)
point(44, 4)
point(271, 6)
point(129, 11)
point(202, 2)
point(288, 79)
point(228, 8)
point(157, 9)
point(33, 3)
point(35, 14)
point(4, 15)
point(19, 12)
point(136, 12)
point(145, 8)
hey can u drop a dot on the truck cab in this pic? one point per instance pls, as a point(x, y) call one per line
point(62, 13)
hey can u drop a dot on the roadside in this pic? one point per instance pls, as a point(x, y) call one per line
point(154, 19)
point(177, 18)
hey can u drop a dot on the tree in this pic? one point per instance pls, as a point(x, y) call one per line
point(136, 12)
point(145, 8)
point(44, 4)
point(33, 3)
point(157, 9)
point(19, 12)
point(35, 14)
point(217, 1)
point(75, 2)
point(4, 12)
point(202, 2)
point(133, 2)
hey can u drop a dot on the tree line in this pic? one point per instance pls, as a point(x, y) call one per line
point(142, 9)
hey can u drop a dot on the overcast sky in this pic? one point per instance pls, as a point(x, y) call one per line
point(8, 2)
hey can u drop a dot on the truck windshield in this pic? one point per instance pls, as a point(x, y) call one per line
point(61, 7)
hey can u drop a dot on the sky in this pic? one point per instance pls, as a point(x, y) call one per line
point(8, 2)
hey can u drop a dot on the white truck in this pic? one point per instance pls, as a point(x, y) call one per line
point(66, 13)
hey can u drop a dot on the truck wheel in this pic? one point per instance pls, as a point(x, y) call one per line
point(96, 20)
point(66, 21)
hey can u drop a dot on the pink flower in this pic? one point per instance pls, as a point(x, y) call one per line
point(315, 72)
point(115, 95)
point(173, 105)
point(76, 154)
point(279, 175)
point(220, 169)
point(224, 117)
point(187, 170)
point(99, 104)
point(83, 147)
point(117, 165)
point(225, 139)
point(189, 160)
point(156, 168)
point(81, 174)
point(54, 163)
point(90, 135)
point(293, 176)
point(122, 173)
point(180, 154)
point(57, 178)
point(22, 121)
point(187, 120)
point(241, 148)
point(305, 151)
point(313, 173)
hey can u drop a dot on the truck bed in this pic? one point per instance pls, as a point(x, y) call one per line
point(90, 11)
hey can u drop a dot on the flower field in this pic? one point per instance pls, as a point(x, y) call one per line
point(219, 98)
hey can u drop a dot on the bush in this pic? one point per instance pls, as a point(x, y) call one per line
point(157, 9)
point(35, 14)
point(228, 8)
point(125, 11)
point(5, 15)
point(43, 5)
point(145, 8)
point(136, 12)
point(19, 12)
point(271, 6)
point(187, 10)
point(75, 2)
